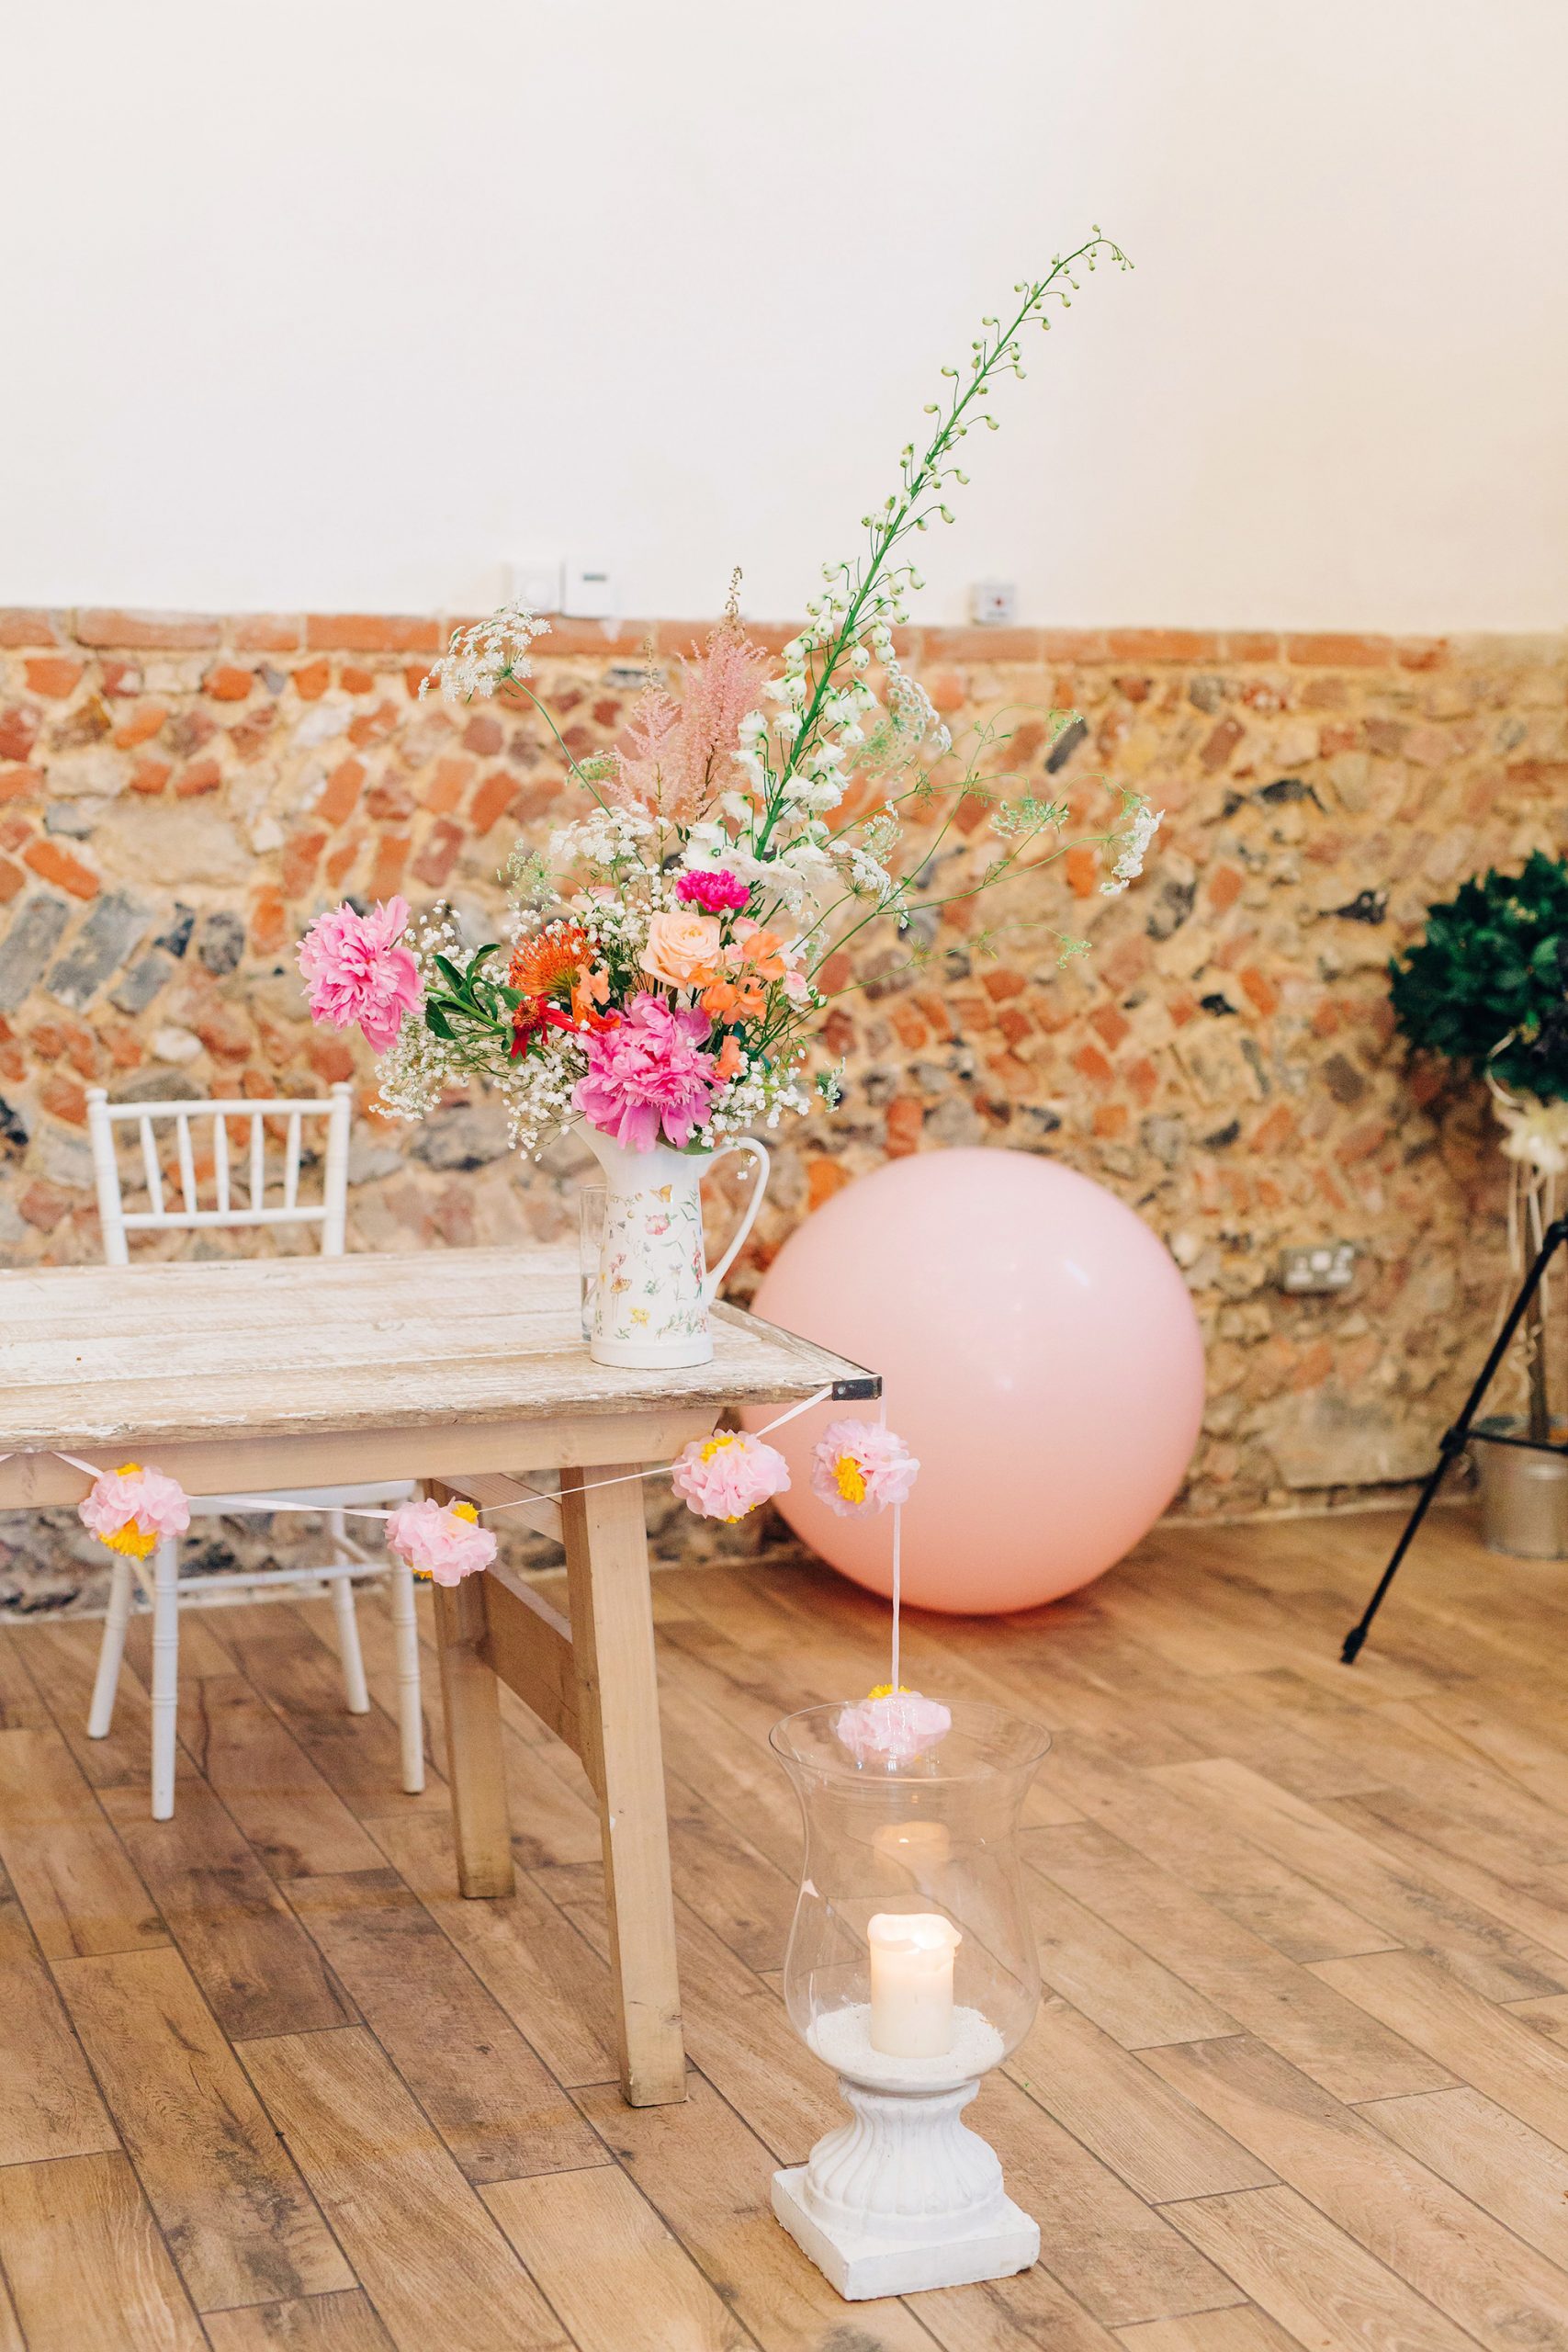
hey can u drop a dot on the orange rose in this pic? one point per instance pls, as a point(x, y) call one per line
point(682, 949)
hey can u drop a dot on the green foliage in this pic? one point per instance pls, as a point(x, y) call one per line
point(472, 1008)
point(1488, 985)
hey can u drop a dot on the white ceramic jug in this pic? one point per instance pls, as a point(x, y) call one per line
point(651, 1300)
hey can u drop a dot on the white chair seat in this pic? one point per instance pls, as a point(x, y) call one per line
point(350, 1554)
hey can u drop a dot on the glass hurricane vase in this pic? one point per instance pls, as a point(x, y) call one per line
point(911, 1971)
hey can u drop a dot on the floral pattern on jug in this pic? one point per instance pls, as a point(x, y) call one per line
point(651, 1300)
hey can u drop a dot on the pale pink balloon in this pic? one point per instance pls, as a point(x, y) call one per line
point(1040, 1355)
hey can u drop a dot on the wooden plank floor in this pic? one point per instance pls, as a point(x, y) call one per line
point(1300, 2076)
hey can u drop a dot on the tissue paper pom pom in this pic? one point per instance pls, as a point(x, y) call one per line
point(442, 1541)
point(357, 972)
point(131, 1509)
point(894, 1726)
point(727, 1475)
point(860, 1465)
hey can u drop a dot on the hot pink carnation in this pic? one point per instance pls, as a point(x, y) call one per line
point(356, 972)
point(140, 1508)
point(859, 1466)
point(713, 888)
point(893, 1729)
point(442, 1541)
point(727, 1475)
point(647, 1077)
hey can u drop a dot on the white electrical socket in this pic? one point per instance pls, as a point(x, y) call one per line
point(1317, 1266)
point(993, 604)
point(535, 582)
point(589, 592)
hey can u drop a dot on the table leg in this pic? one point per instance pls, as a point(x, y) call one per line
point(612, 1630)
point(475, 1767)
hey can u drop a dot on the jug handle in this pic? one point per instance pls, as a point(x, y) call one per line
point(765, 1168)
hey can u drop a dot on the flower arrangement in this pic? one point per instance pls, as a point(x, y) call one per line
point(663, 968)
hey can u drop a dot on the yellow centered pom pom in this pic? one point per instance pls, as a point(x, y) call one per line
point(129, 1470)
point(131, 1539)
point(466, 1510)
point(850, 1478)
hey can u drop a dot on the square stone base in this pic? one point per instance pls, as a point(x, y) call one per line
point(860, 2267)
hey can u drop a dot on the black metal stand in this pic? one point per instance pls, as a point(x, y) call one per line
point(1454, 1441)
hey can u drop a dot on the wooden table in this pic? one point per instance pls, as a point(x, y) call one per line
point(461, 1368)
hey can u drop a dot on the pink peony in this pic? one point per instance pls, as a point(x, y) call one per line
point(133, 1510)
point(727, 1475)
point(647, 1079)
point(442, 1541)
point(713, 888)
point(357, 972)
point(859, 1466)
point(893, 1725)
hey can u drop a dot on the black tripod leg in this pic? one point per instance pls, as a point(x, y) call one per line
point(1455, 1440)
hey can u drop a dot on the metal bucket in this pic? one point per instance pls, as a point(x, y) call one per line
point(1524, 1496)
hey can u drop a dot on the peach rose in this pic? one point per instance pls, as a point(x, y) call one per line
point(682, 949)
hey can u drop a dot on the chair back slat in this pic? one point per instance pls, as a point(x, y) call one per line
point(150, 1163)
point(291, 1162)
point(187, 1162)
point(231, 1202)
point(220, 1160)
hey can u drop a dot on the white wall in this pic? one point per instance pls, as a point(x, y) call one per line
point(338, 302)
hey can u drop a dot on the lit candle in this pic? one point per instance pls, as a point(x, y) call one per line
point(911, 1983)
point(919, 1845)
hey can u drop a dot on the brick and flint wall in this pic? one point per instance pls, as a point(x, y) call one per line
point(180, 794)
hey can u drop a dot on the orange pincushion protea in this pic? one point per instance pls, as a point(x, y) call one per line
point(541, 962)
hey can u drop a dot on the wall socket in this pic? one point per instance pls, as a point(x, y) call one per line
point(1317, 1266)
point(993, 604)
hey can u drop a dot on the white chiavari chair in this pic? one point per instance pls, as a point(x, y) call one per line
point(248, 1188)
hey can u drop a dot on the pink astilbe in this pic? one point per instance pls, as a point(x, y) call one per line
point(648, 762)
point(647, 1077)
point(357, 972)
point(442, 1541)
point(727, 1475)
point(718, 688)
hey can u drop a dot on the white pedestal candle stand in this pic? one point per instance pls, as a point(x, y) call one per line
point(911, 1920)
point(904, 2197)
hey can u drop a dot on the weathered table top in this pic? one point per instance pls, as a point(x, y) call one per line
point(270, 1349)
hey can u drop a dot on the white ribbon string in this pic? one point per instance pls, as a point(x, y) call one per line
point(662, 1469)
point(521, 1502)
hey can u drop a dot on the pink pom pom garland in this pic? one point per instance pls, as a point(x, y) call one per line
point(727, 1475)
point(133, 1510)
point(442, 1541)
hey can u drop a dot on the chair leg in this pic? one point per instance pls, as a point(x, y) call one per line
point(410, 1717)
point(355, 1690)
point(165, 1673)
point(100, 1715)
